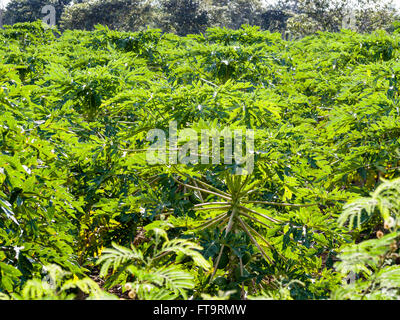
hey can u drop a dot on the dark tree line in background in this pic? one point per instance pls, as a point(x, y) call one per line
point(290, 17)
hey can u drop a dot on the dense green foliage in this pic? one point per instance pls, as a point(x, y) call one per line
point(18, 11)
point(79, 200)
point(292, 18)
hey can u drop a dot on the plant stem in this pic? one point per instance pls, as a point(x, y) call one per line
point(260, 214)
point(254, 240)
point(254, 219)
point(203, 190)
point(211, 222)
point(210, 204)
point(228, 229)
point(282, 204)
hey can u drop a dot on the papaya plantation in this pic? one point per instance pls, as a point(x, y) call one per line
point(84, 214)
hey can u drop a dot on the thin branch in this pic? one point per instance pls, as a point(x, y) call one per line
point(210, 204)
point(209, 82)
point(242, 293)
point(254, 240)
point(258, 235)
point(200, 196)
point(211, 187)
point(211, 222)
point(254, 219)
point(216, 263)
point(230, 224)
point(225, 220)
point(169, 211)
point(281, 204)
point(203, 183)
point(162, 255)
point(228, 229)
point(243, 184)
point(203, 190)
point(212, 208)
point(260, 214)
point(263, 239)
